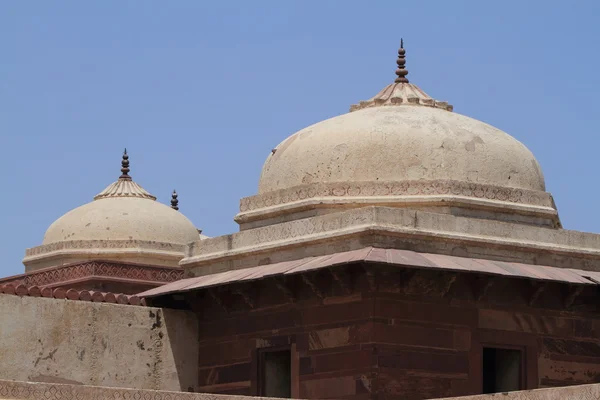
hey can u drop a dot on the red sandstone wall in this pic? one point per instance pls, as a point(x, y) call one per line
point(331, 362)
point(395, 336)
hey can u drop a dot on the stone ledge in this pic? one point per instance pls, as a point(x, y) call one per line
point(342, 190)
point(96, 269)
point(16, 390)
point(406, 223)
point(104, 244)
point(72, 294)
point(579, 392)
point(126, 251)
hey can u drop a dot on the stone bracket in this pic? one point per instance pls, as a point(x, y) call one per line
point(313, 286)
point(342, 279)
point(574, 292)
point(282, 284)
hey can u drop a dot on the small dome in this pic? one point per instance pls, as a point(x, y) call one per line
point(124, 223)
point(124, 211)
point(123, 218)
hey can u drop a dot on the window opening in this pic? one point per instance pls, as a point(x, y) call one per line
point(275, 373)
point(502, 370)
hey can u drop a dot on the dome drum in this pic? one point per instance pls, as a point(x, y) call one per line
point(445, 196)
point(123, 251)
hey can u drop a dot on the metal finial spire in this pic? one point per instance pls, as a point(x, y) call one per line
point(401, 72)
point(174, 201)
point(125, 166)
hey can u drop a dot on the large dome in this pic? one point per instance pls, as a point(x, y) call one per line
point(401, 148)
point(401, 143)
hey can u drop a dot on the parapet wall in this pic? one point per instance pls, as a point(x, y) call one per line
point(43, 391)
point(100, 344)
point(581, 392)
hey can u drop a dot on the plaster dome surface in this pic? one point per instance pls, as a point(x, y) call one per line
point(123, 218)
point(401, 143)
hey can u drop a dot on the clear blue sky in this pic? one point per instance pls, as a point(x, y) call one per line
point(200, 92)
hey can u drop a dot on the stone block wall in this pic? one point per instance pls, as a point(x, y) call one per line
point(100, 344)
point(50, 391)
point(374, 332)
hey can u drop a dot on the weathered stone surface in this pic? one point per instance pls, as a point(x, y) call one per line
point(87, 343)
point(51, 391)
point(387, 227)
point(14, 390)
point(582, 392)
point(384, 341)
point(403, 146)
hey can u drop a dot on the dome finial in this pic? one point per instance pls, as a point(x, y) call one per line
point(401, 72)
point(125, 166)
point(174, 201)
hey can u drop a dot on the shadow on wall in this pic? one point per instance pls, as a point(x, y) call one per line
point(182, 333)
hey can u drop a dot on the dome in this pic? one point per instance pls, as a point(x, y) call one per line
point(123, 223)
point(124, 211)
point(123, 218)
point(401, 148)
point(401, 143)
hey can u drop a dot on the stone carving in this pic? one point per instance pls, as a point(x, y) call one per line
point(389, 189)
point(97, 268)
point(104, 244)
point(50, 391)
point(124, 188)
point(72, 294)
point(325, 225)
point(397, 94)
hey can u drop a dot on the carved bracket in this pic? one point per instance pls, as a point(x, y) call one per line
point(313, 286)
point(282, 284)
point(342, 279)
point(371, 278)
point(574, 292)
point(217, 299)
point(450, 279)
point(407, 277)
point(537, 289)
point(482, 285)
point(244, 292)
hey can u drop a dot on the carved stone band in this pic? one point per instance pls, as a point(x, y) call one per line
point(394, 189)
point(105, 244)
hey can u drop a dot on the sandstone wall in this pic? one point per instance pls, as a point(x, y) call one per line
point(45, 391)
point(370, 331)
point(78, 342)
point(581, 392)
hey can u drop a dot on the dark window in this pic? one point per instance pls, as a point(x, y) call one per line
point(502, 370)
point(275, 373)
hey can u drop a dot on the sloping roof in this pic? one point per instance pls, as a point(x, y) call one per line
point(404, 258)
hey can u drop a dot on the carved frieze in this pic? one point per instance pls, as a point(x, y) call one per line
point(396, 189)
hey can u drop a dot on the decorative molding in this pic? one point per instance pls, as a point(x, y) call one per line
point(124, 188)
point(397, 94)
point(52, 391)
point(72, 294)
point(100, 269)
point(574, 292)
point(105, 244)
point(16, 390)
point(357, 220)
point(396, 189)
